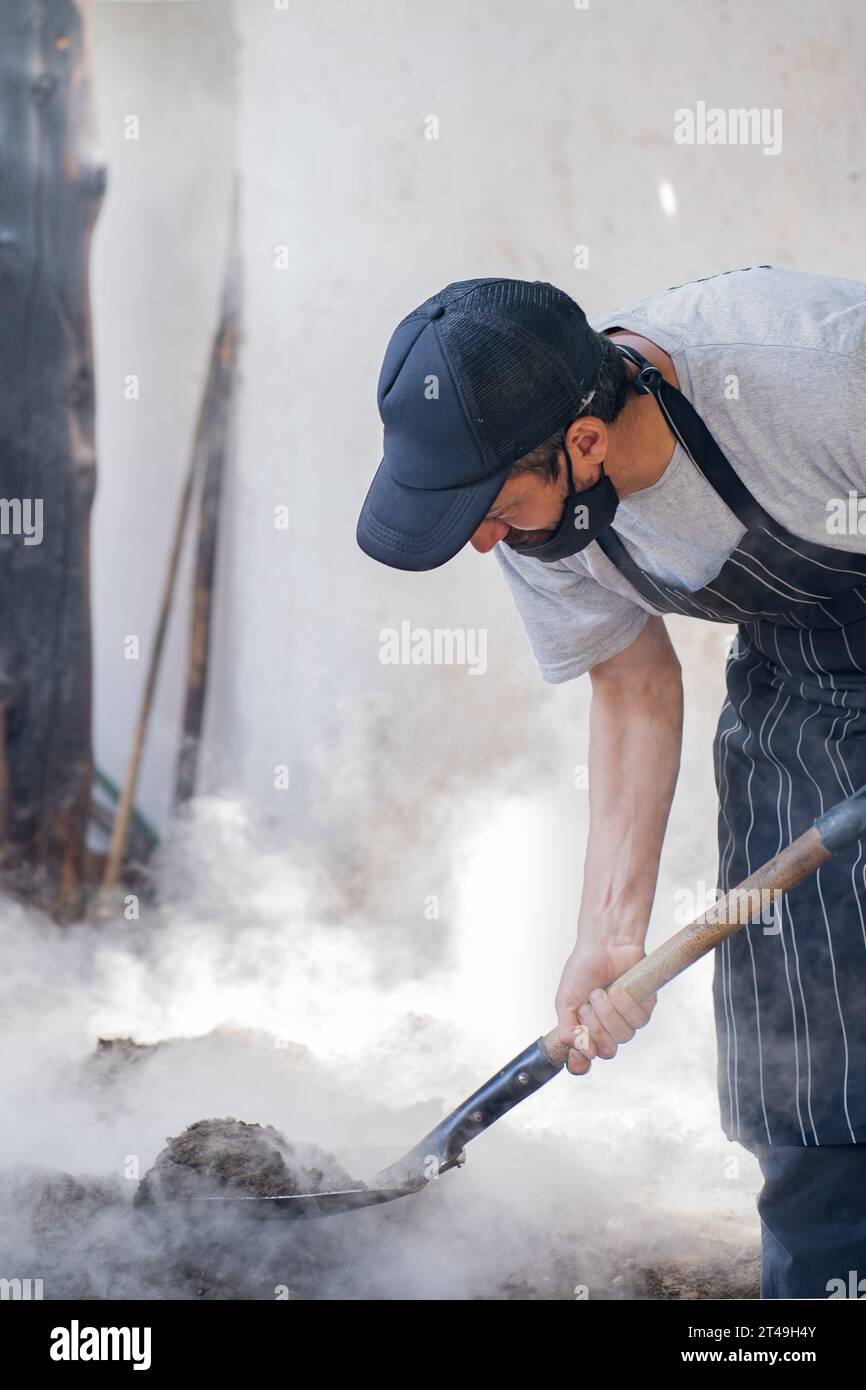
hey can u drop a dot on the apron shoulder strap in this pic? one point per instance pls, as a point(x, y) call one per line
point(694, 436)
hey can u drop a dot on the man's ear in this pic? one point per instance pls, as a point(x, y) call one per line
point(587, 442)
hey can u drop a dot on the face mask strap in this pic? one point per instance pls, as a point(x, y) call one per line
point(572, 490)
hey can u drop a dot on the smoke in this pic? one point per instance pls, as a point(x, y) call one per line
point(352, 980)
point(245, 992)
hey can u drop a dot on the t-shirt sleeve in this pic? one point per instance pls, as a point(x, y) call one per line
point(571, 620)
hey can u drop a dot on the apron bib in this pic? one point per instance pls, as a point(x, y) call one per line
point(789, 993)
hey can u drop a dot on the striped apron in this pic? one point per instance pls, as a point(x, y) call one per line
point(790, 991)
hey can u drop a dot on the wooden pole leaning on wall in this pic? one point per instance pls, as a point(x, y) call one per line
point(216, 421)
point(212, 408)
point(123, 813)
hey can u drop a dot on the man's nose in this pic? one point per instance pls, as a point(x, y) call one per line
point(489, 534)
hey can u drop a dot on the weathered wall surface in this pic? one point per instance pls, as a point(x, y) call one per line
point(555, 130)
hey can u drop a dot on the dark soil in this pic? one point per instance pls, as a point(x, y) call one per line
point(231, 1157)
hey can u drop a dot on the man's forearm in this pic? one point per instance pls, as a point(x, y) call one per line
point(636, 721)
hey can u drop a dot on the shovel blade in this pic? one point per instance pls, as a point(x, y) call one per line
point(294, 1206)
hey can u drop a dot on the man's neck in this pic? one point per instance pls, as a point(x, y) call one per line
point(641, 442)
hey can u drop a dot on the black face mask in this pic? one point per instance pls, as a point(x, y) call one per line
point(584, 516)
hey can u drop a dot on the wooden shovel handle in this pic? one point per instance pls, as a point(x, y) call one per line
point(739, 906)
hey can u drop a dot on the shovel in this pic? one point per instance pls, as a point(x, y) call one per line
point(443, 1147)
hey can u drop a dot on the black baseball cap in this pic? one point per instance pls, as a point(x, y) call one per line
point(473, 379)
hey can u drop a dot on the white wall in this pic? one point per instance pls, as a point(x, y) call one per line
point(157, 262)
point(555, 129)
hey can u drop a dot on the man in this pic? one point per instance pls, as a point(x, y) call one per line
point(699, 452)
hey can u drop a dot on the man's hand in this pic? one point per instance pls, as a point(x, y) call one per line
point(582, 1002)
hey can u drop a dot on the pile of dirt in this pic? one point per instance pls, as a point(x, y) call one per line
point(113, 1053)
point(230, 1157)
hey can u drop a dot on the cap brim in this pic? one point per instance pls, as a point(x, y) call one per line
point(425, 528)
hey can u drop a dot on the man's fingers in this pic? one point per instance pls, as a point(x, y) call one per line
point(576, 1035)
point(583, 1042)
point(597, 1029)
point(577, 1064)
point(635, 1014)
point(612, 1017)
point(598, 1026)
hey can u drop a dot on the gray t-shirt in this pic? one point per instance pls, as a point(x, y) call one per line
point(775, 362)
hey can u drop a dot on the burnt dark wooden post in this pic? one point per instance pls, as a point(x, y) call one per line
point(50, 192)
